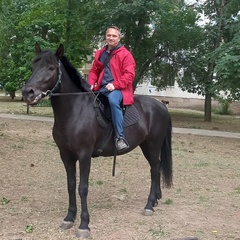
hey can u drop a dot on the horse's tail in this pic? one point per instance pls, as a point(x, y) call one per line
point(166, 158)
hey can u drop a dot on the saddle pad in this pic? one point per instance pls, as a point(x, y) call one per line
point(131, 116)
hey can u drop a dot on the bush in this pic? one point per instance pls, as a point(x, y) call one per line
point(11, 88)
point(223, 109)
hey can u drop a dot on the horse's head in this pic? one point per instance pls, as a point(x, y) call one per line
point(46, 75)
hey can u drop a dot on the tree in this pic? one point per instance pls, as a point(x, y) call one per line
point(48, 22)
point(203, 76)
point(162, 35)
point(228, 54)
point(157, 32)
point(228, 67)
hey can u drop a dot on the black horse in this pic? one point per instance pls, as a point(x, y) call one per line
point(79, 134)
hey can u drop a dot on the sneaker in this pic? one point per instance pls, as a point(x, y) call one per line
point(121, 144)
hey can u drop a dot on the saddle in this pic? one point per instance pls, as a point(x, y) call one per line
point(103, 114)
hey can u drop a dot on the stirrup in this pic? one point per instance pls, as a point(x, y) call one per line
point(121, 144)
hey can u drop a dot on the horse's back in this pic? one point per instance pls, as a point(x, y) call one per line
point(155, 118)
point(149, 105)
point(154, 127)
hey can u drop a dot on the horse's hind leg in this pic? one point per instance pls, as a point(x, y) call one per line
point(69, 161)
point(152, 155)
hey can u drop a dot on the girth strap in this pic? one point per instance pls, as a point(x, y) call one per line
point(104, 141)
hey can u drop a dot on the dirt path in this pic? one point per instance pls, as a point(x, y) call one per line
point(175, 130)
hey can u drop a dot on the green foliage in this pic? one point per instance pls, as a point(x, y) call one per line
point(5, 201)
point(228, 66)
point(223, 109)
point(99, 182)
point(11, 87)
point(29, 228)
point(22, 23)
point(237, 189)
point(169, 202)
point(162, 35)
point(157, 32)
point(158, 233)
point(214, 64)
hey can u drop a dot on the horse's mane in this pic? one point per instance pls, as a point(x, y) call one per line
point(75, 75)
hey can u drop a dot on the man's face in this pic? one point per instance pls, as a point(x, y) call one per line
point(112, 37)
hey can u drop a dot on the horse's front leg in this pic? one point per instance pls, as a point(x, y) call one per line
point(85, 165)
point(69, 161)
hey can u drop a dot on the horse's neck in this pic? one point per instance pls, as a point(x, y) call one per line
point(71, 99)
point(67, 85)
point(68, 110)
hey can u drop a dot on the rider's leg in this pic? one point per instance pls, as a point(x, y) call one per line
point(115, 99)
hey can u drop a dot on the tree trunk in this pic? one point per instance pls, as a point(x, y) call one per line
point(208, 108)
point(208, 96)
point(12, 94)
point(68, 23)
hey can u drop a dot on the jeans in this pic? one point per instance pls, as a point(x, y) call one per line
point(115, 99)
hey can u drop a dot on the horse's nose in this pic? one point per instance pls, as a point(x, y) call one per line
point(27, 92)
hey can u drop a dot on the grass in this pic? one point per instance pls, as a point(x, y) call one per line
point(202, 164)
point(17, 106)
point(237, 189)
point(168, 202)
point(158, 233)
point(183, 118)
point(203, 199)
point(195, 119)
point(5, 201)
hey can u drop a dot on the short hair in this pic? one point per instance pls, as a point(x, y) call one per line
point(116, 28)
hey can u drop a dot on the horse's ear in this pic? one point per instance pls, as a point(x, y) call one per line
point(60, 51)
point(37, 48)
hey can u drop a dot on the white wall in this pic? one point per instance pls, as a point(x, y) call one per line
point(147, 89)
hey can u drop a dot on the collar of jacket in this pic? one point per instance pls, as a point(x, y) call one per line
point(113, 50)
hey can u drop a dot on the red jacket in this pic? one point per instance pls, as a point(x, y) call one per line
point(122, 66)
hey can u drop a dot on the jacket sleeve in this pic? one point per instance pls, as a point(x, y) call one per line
point(127, 75)
point(95, 70)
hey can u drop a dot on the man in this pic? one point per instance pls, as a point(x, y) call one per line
point(113, 73)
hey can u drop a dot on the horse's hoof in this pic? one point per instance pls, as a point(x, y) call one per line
point(66, 225)
point(83, 233)
point(148, 212)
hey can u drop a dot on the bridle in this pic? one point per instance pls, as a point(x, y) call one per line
point(51, 93)
point(59, 81)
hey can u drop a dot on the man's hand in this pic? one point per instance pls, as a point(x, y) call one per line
point(93, 86)
point(110, 87)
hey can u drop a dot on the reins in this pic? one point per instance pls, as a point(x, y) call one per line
point(50, 93)
point(77, 93)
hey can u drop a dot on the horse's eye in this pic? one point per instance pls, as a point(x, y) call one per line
point(51, 68)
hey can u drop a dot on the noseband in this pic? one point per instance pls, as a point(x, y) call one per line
point(59, 81)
